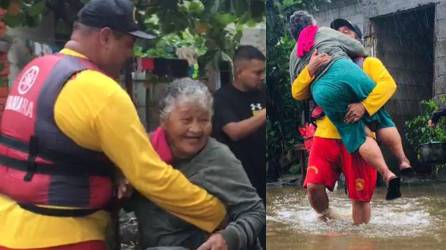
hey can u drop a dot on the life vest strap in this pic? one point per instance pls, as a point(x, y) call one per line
point(62, 169)
point(63, 164)
point(32, 154)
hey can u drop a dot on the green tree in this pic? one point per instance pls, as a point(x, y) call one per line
point(214, 26)
point(219, 23)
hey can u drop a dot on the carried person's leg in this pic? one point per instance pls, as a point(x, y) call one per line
point(371, 153)
point(391, 138)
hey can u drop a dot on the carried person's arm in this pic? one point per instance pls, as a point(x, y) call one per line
point(300, 88)
point(292, 63)
point(124, 140)
point(351, 46)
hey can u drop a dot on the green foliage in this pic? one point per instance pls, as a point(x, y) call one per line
point(213, 27)
point(167, 45)
point(30, 13)
point(246, 10)
point(417, 130)
point(218, 23)
point(34, 9)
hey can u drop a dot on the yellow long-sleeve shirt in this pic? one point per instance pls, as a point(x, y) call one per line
point(96, 113)
point(384, 90)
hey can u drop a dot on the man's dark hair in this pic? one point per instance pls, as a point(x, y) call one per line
point(339, 22)
point(248, 52)
point(298, 21)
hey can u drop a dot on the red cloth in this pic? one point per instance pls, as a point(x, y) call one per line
point(317, 113)
point(307, 132)
point(147, 64)
point(329, 157)
point(88, 245)
point(305, 42)
point(159, 143)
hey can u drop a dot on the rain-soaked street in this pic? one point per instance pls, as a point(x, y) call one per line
point(416, 221)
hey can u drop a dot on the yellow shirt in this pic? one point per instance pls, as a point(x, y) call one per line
point(96, 113)
point(374, 68)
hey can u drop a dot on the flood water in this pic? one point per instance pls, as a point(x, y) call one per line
point(417, 221)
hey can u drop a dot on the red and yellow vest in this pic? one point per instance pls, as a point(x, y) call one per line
point(40, 167)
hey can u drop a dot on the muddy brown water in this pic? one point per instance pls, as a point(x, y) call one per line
point(415, 222)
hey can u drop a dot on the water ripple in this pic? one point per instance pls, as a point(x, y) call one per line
point(401, 218)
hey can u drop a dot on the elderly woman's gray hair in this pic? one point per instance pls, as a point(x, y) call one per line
point(185, 90)
point(298, 21)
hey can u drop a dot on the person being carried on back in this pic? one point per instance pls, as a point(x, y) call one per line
point(340, 88)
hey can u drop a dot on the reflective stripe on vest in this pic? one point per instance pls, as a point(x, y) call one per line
point(39, 165)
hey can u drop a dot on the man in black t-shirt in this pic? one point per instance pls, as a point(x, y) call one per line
point(240, 117)
point(240, 114)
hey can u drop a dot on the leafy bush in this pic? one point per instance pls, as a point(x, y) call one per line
point(167, 45)
point(417, 130)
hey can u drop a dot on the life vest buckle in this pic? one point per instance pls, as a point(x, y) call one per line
point(32, 154)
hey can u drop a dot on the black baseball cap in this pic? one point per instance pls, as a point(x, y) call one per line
point(118, 15)
point(337, 23)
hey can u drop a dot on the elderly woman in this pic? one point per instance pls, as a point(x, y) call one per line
point(183, 141)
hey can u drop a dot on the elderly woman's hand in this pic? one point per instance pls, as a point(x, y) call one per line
point(215, 242)
point(317, 61)
point(125, 190)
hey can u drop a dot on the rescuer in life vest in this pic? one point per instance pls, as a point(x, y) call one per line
point(67, 126)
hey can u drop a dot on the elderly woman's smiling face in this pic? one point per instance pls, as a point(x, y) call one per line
point(188, 127)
